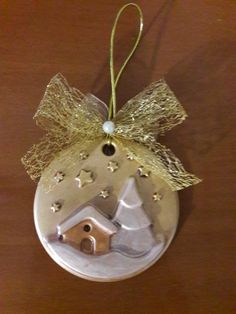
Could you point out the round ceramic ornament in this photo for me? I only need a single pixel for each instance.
(107, 217)
(106, 206)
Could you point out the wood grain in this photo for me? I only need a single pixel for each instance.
(191, 43)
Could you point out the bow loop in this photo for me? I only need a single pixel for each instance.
(66, 110)
(68, 117)
(152, 112)
(161, 161)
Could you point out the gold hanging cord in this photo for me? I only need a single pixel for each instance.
(115, 79)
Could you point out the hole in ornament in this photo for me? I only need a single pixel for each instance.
(87, 228)
(108, 149)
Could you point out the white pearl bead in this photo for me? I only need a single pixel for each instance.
(108, 127)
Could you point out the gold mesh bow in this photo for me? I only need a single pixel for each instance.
(74, 120)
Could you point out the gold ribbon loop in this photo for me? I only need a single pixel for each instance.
(155, 110)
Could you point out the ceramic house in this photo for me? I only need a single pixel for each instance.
(89, 230)
(93, 233)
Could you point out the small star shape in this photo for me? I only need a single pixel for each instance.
(104, 194)
(143, 172)
(112, 166)
(130, 156)
(84, 177)
(156, 197)
(59, 176)
(83, 155)
(55, 207)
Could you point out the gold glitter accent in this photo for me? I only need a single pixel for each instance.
(104, 194)
(84, 178)
(55, 207)
(157, 196)
(83, 155)
(72, 124)
(112, 166)
(143, 172)
(130, 156)
(59, 176)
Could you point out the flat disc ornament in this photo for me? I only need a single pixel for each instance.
(106, 206)
(109, 218)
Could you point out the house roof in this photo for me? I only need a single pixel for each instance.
(88, 212)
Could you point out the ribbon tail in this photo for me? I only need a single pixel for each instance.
(161, 162)
(54, 153)
(40, 155)
(67, 161)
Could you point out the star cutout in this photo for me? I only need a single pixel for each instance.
(156, 197)
(112, 166)
(143, 172)
(55, 207)
(59, 176)
(83, 155)
(104, 194)
(84, 178)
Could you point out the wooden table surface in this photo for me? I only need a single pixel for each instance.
(191, 43)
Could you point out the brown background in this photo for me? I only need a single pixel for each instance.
(193, 44)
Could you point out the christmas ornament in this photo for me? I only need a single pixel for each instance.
(106, 206)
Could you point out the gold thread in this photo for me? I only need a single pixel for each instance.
(114, 80)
